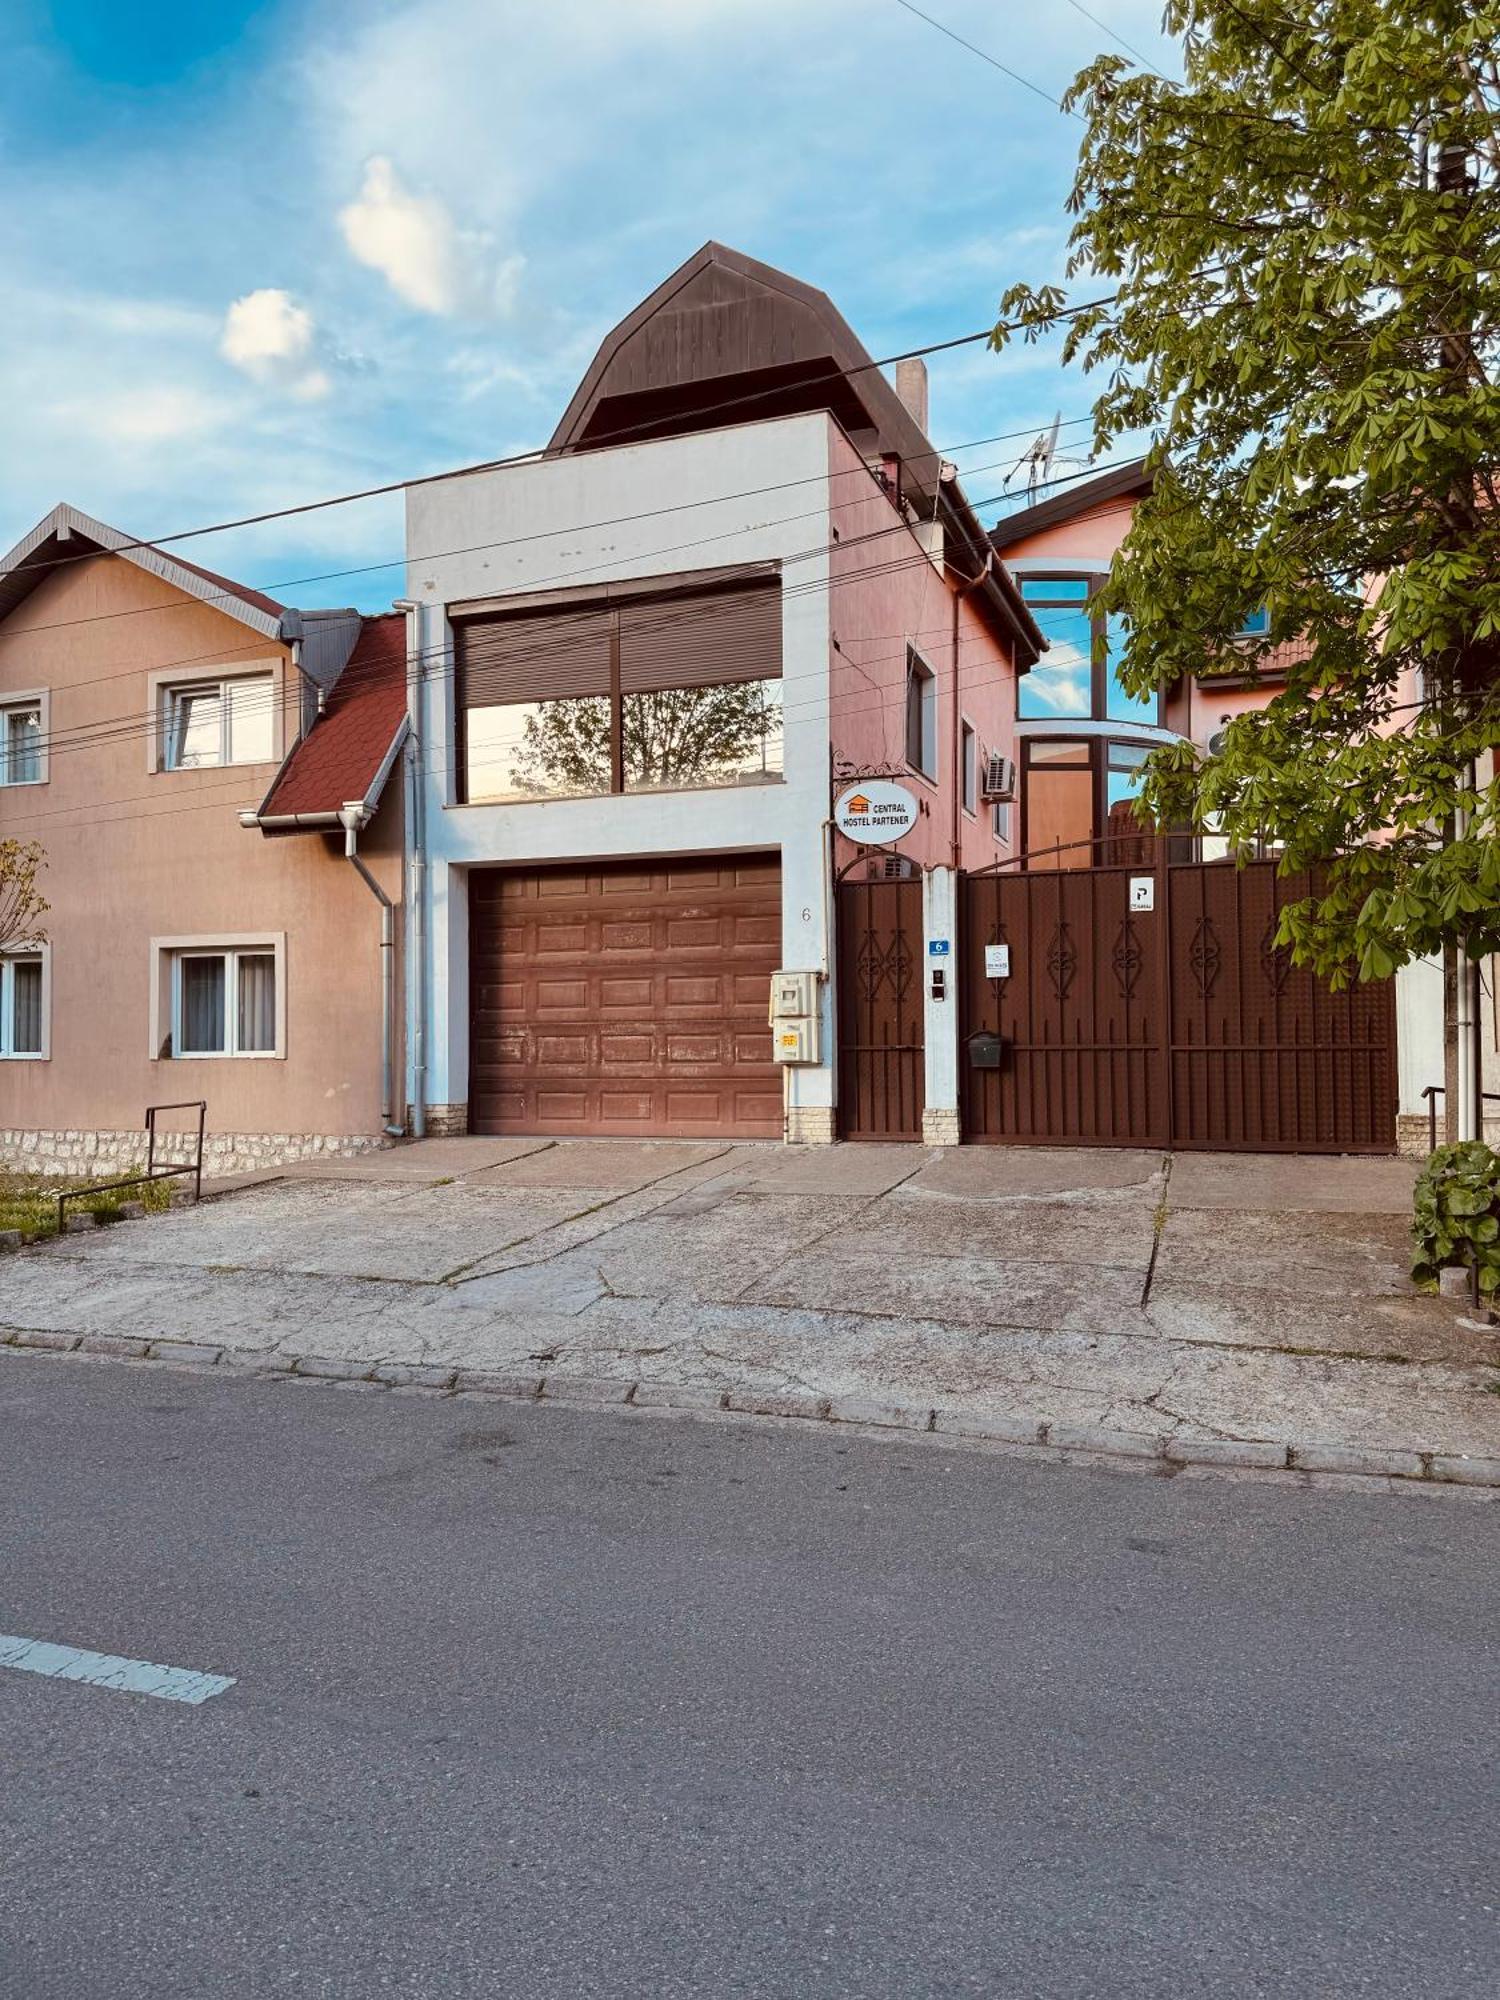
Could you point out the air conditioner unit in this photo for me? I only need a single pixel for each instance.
(999, 778)
(1215, 744)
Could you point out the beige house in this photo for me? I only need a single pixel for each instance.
(198, 764)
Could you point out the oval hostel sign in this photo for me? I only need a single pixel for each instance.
(875, 812)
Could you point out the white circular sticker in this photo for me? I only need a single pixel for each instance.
(875, 812)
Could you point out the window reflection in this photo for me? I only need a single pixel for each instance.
(684, 737)
(537, 750)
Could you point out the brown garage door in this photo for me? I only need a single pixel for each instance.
(625, 1000)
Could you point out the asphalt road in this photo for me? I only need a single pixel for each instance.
(534, 1702)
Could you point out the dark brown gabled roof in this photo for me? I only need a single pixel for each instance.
(1121, 482)
(348, 753)
(728, 340)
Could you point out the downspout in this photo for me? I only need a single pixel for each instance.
(958, 727)
(353, 816)
(416, 835)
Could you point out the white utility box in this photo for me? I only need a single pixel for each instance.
(795, 1041)
(794, 996)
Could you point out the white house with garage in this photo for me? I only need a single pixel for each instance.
(640, 666)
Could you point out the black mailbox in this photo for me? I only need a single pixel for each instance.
(984, 1051)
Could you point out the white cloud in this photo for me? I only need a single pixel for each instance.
(415, 244)
(273, 340)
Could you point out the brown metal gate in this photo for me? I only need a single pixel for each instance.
(1178, 1024)
(880, 1008)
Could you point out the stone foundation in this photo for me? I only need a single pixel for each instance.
(940, 1128)
(810, 1125)
(1413, 1133)
(97, 1155)
(446, 1121)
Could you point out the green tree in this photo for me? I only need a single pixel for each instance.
(22, 905)
(1302, 237)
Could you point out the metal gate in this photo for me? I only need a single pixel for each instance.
(1148, 1005)
(880, 1007)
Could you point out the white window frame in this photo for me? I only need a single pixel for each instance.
(165, 686)
(40, 699)
(8, 959)
(918, 669)
(968, 766)
(167, 954)
(1000, 821)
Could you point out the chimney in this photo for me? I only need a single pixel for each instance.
(911, 387)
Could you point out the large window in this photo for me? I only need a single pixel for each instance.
(22, 750)
(649, 693)
(1078, 678)
(221, 721)
(1079, 797)
(218, 997)
(23, 988)
(921, 714)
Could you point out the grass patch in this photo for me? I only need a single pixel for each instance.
(28, 1202)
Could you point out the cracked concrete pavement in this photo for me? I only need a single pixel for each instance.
(1201, 1296)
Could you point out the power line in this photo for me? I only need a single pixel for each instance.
(80, 736)
(713, 408)
(232, 594)
(985, 56)
(1129, 47)
(654, 425)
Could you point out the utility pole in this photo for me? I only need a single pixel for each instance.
(1463, 1008)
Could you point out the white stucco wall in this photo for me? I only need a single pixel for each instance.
(753, 493)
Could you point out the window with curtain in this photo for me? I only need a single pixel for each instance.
(22, 1029)
(224, 1003)
(970, 769)
(230, 720)
(1078, 678)
(21, 743)
(654, 690)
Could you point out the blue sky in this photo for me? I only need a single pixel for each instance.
(260, 253)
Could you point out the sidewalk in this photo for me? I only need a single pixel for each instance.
(1206, 1308)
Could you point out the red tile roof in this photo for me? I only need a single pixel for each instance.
(340, 757)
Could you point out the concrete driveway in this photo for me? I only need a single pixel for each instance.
(1193, 1306)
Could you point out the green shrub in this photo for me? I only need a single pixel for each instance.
(1456, 1215)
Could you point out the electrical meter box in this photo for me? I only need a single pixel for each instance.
(795, 1041)
(794, 996)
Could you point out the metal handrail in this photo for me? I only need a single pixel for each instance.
(1432, 1093)
(153, 1172)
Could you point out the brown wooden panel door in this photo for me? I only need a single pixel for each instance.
(1080, 1018)
(882, 1038)
(625, 1000)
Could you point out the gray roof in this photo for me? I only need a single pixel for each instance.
(67, 533)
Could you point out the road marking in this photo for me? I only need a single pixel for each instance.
(109, 1670)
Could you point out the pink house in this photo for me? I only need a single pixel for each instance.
(182, 748)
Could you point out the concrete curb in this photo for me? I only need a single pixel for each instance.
(1314, 1461)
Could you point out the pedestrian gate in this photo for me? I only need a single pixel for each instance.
(880, 1004)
